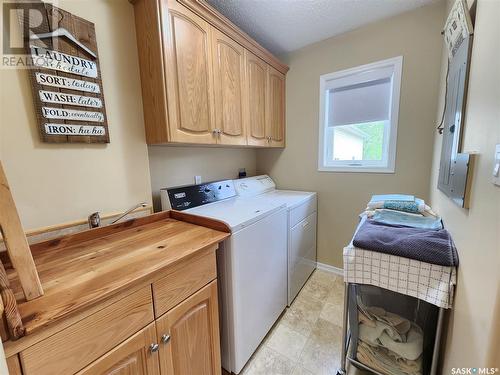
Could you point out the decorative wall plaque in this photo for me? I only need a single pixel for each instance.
(66, 78)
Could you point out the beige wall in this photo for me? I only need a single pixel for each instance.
(342, 196)
(472, 325)
(175, 166)
(60, 183)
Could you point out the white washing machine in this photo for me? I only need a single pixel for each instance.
(252, 263)
(301, 225)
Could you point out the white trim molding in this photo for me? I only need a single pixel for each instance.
(329, 268)
(390, 68)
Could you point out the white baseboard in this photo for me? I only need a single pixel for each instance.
(332, 269)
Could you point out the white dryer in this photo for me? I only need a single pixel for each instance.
(301, 225)
(251, 263)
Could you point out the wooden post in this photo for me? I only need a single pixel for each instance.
(16, 242)
(14, 322)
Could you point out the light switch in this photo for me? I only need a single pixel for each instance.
(496, 166)
(197, 180)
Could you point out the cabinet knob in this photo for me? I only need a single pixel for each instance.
(154, 347)
(165, 338)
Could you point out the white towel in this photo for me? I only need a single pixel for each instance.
(384, 335)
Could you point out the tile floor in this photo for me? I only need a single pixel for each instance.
(306, 339)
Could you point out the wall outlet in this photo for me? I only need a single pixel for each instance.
(197, 180)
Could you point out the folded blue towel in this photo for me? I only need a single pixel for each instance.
(398, 202)
(392, 197)
(400, 218)
(430, 246)
(412, 207)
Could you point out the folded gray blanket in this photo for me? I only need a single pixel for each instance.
(430, 246)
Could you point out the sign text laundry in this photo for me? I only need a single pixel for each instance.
(50, 59)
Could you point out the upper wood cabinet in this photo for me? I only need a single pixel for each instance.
(189, 335)
(275, 108)
(230, 104)
(189, 75)
(204, 81)
(257, 99)
(266, 97)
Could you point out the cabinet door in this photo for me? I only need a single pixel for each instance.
(189, 335)
(275, 108)
(189, 75)
(132, 357)
(229, 81)
(257, 94)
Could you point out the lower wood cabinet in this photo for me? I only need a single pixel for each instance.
(136, 356)
(72, 348)
(183, 341)
(178, 336)
(189, 335)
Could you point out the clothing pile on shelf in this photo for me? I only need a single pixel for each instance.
(389, 343)
(400, 245)
(405, 226)
(401, 203)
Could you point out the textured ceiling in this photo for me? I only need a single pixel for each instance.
(286, 25)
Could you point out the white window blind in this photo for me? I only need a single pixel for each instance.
(358, 118)
(360, 103)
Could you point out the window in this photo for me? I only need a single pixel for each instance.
(359, 117)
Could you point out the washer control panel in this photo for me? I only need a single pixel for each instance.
(184, 197)
(247, 187)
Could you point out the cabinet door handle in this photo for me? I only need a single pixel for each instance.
(154, 347)
(165, 338)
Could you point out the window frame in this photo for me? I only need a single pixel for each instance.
(352, 76)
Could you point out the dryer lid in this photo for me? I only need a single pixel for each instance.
(238, 213)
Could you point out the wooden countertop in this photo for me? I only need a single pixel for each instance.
(77, 271)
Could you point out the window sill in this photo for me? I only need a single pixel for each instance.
(361, 169)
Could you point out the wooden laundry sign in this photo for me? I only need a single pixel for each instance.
(66, 78)
(49, 59)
